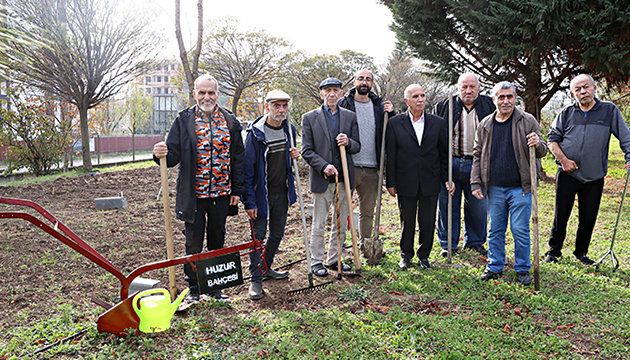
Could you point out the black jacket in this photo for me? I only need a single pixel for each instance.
(347, 102)
(182, 149)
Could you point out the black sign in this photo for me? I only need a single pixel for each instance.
(219, 272)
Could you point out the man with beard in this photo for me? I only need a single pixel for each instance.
(370, 109)
(579, 138)
(205, 140)
(469, 108)
(501, 165)
(269, 183)
(324, 130)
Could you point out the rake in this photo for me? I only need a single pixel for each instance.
(310, 286)
(611, 252)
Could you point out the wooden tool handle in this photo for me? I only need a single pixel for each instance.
(536, 250)
(169, 228)
(346, 181)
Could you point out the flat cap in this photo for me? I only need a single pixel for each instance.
(330, 82)
(277, 95)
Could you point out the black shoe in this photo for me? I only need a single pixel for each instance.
(344, 267)
(478, 248)
(487, 275)
(275, 275)
(319, 270)
(523, 278)
(424, 263)
(219, 296)
(193, 293)
(404, 264)
(586, 261)
(255, 291)
(550, 259)
(444, 252)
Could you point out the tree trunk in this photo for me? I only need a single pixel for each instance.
(235, 98)
(190, 70)
(85, 137)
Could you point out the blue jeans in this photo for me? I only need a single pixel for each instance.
(475, 210)
(504, 202)
(277, 213)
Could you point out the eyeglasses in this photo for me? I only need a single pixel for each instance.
(362, 79)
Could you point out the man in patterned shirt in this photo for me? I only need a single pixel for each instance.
(205, 140)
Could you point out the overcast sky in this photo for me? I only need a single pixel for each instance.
(316, 27)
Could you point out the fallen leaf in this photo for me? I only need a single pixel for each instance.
(395, 292)
(254, 330)
(507, 328)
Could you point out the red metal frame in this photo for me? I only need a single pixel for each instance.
(72, 240)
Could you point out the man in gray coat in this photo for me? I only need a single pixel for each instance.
(324, 130)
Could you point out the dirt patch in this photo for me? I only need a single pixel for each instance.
(41, 273)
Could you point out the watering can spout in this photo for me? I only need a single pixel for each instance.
(178, 301)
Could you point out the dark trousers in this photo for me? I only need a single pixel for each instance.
(277, 213)
(216, 210)
(589, 196)
(425, 208)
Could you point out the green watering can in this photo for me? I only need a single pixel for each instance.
(156, 309)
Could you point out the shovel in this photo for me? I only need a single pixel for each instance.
(307, 248)
(374, 250)
(346, 176)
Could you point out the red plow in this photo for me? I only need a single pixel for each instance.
(118, 319)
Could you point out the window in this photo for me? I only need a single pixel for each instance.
(148, 90)
(166, 79)
(159, 90)
(172, 66)
(158, 79)
(166, 90)
(147, 79)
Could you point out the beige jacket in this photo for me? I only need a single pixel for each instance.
(522, 125)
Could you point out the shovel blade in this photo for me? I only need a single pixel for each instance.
(372, 250)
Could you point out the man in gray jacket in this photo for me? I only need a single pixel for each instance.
(579, 138)
(501, 166)
(324, 131)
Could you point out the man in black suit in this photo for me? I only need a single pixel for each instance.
(417, 165)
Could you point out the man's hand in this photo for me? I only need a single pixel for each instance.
(568, 165)
(160, 149)
(392, 191)
(253, 213)
(342, 140)
(478, 194)
(330, 170)
(533, 140)
(388, 106)
(234, 200)
(450, 189)
(294, 152)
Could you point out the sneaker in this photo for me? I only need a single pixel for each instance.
(444, 252)
(403, 264)
(487, 275)
(193, 293)
(523, 278)
(550, 259)
(319, 270)
(219, 296)
(344, 267)
(255, 291)
(275, 275)
(478, 248)
(424, 263)
(586, 261)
